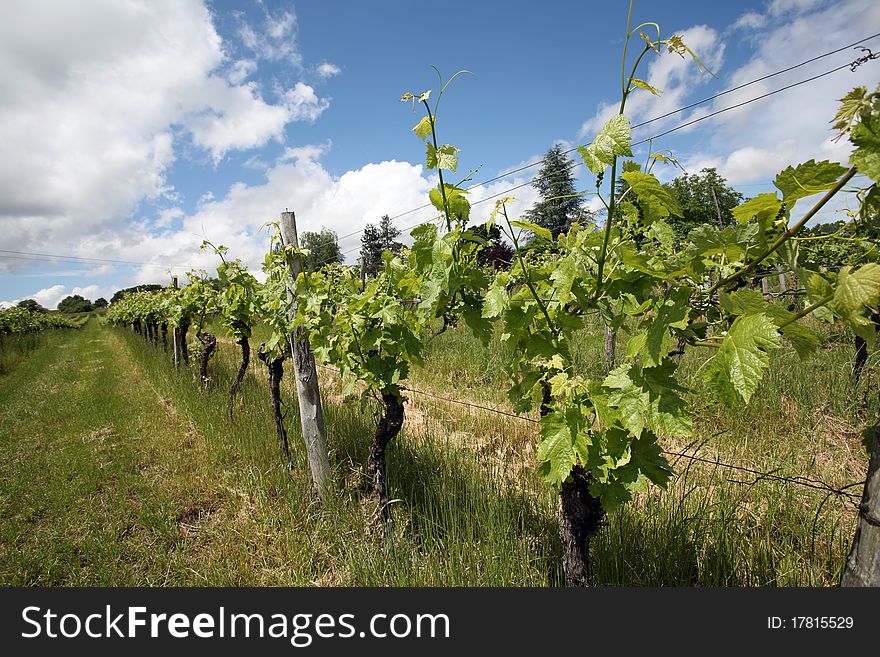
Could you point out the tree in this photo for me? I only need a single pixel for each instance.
(559, 205)
(497, 256)
(75, 304)
(148, 287)
(705, 198)
(323, 247)
(31, 306)
(100, 302)
(375, 241)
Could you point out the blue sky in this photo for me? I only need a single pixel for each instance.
(134, 131)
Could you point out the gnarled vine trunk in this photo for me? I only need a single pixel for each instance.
(863, 563)
(209, 344)
(242, 370)
(276, 372)
(862, 351)
(389, 426)
(164, 327)
(180, 337)
(580, 517)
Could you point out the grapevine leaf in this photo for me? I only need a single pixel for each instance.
(742, 358)
(496, 301)
(423, 128)
(661, 200)
(851, 106)
(563, 276)
(750, 302)
(673, 312)
(641, 84)
(556, 453)
(540, 231)
(613, 140)
(733, 242)
(857, 289)
(648, 457)
(762, 207)
(445, 157)
(865, 136)
(649, 398)
(808, 178)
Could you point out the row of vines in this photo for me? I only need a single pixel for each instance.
(599, 438)
(18, 320)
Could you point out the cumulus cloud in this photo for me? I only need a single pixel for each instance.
(274, 40)
(750, 20)
(94, 104)
(327, 70)
(792, 126)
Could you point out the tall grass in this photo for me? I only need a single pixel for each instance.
(129, 472)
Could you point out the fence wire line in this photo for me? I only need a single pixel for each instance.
(807, 482)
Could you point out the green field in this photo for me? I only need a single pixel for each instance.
(118, 470)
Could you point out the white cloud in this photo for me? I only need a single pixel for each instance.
(93, 103)
(328, 70)
(750, 21)
(275, 41)
(48, 297)
(756, 141)
(781, 7)
(240, 70)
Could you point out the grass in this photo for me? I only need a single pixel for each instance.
(117, 469)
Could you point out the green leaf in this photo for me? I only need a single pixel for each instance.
(459, 206)
(613, 140)
(751, 302)
(733, 242)
(563, 276)
(660, 199)
(648, 398)
(672, 312)
(445, 157)
(763, 207)
(496, 301)
(808, 178)
(738, 366)
(851, 107)
(857, 289)
(648, 457)
(423, 128)
(540, 231)
(556, 453)
(663, 233)
(641, 84)
(865, 136)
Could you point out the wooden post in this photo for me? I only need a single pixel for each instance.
(311, 413)
(863, 563)
(783, 287)
(609, 354)
(174, 331)
(765, 288)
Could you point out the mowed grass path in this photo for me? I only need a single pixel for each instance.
(117, 470)
(84, 441)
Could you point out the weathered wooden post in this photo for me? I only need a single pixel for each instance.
(609, 353)
(311, 413)
(863, 563)
(783, 284)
